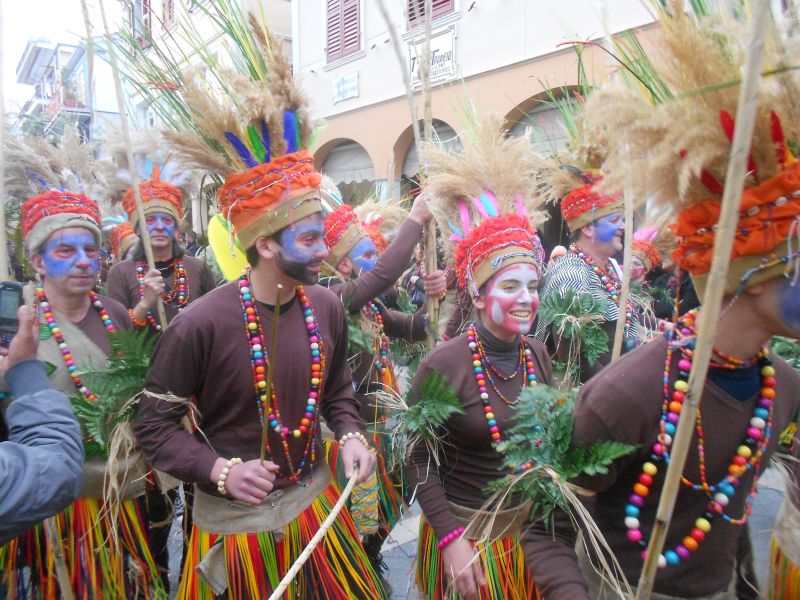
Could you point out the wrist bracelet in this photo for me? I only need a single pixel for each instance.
(450, 538)
(354, 435)
(224, 475)
(136, 322)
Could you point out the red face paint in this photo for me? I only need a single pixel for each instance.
(512, 298)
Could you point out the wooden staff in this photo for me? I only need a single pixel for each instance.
(431, 262)
(4, 270)
(712, 298)
(323, 529)
(126, 135)
(624, 296)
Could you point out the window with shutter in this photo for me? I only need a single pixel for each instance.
(168, 17)
(343, 28)
(416, 10)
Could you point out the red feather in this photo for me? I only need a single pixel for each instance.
(728, 125)
(708, 180)
(778, 138)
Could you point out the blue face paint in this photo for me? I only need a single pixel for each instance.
(364, 255)
(161, 224)
(302, 249)
(71, 254)
(607, 227)
(789, 298)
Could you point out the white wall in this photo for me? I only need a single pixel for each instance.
(494, 34)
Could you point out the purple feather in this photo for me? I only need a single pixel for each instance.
(241, 149)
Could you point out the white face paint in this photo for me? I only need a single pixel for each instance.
(512, 298)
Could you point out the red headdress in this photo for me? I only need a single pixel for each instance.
(585, 204)
(46, 213)
(122, 237)
(342, 233)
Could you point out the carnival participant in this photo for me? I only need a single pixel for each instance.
(749, 397)
(498, 260)
(123, 241)
(365, 268)
(597, 225)
(82, 548)
(253, 517)
(177, 279)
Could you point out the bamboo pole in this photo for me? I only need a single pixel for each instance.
(126, 135)
(712, 298)
(625, 294)
(323, 529)
(431, 262)
(4, 270)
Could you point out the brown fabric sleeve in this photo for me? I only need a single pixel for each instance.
(117, 286)
(390, 266)
(177, 368)
(423, 476)
(207, 282)
(404, 326)
(339, 405)
(461, 314)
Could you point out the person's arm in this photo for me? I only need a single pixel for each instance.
(42, 462)
(461, 314)
(404, 326)
(423, 474)
(207, 282)
(117, 289)
(176, 367)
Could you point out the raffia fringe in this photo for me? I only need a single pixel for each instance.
(255, 563)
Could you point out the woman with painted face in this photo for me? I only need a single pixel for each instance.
(99, 558)
(499, 263)
(178, 279)
(364, 268)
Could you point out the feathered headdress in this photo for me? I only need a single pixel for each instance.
(644, 247)
(484, 202)
(342, 233)
(122, 238)
(386, 216)
(58, 186)
(255, 133)
(163, 182)
(676, 152)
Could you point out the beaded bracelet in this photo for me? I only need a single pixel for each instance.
(450, 538)
(359, 436)
(224, 475)
(136, 322)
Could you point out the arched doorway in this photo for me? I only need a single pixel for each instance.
(351, 168)
(442, 134)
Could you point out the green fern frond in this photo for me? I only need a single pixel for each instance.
(542, 436)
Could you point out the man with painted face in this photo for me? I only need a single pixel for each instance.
(596, 224)
(499, 264)
(62, 235)
(217, 356)
(364, 268)
(178, 279)
(749, 396)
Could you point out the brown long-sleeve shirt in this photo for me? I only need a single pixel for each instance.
(468, 458)
(123, 286)
(204, 354)
(623, 403)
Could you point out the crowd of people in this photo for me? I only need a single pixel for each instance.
(265, 395)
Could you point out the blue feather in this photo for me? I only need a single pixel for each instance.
(241, 149)
(265, 137)
(455, 229)
(39, 179)
(490, 207)
(290, 130)
(148, 167)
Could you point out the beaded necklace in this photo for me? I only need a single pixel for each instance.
(179, 291)
(749, 454)
(609, 280)
(480, 364)
(259, 363)
(50, 319)
(372, 312)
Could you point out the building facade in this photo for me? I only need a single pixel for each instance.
(501, 55)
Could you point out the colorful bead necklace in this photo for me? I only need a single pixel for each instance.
(50, 320)
(480, 364)
(178, 293)
(749, 454)
(372, 312)
(259, 363)
(609, 280)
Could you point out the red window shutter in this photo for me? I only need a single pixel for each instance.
(416, 10)
(351, 27)
(334, 32)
